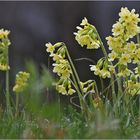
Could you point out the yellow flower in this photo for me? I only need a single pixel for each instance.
(134, 17)
(62, 68)
(4, 67)
(124, 72)
(124, 15)
(132, 30)
(50, 48)
(130, 47)
(137, 70)
(61, 89)
(4, 44)
(130, 22)
(87, 36)
(4, 34)
(96, 69)
(111, 68)
(64, 87)
(84, 21)
(71, 91)
(112, 56)
(57, 57)
(136, 56)
(133, 87)
(125, 58)
(118, 29)
(138, 52)
(21, 81)
(105, 73)
(115, 43)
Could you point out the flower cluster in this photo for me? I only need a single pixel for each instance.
(87, 35)
(21, 81)
(61, 67)
(101, 69)
(124, 51)
(133, 87)
(127, 27)
(4, 43)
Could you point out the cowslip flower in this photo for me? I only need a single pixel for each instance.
(105, 73)
(124, 59)
(133, 87)
(96, 69)
(115, 43)
(118, 29)
(50, 48)
(124, 51)
(87, 35)
(4, 43)
(112, 56)
(125, 72)
(61, 67)
(4, 33)
(61, 89)
(4, 67)
(130, 47)
(130, 22)
(101, 69)
(64, 87)
(21, 81)
(124, 15)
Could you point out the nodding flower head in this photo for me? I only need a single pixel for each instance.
(61, 67)
(87, 35)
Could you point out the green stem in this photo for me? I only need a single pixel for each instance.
(17, 104)
(75, 72)
(79, 94)
(138, 41)
(8, 105)
(102, 84)
(79, 89)
(106, 56)
(112, 79)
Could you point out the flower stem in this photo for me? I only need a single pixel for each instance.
(17, 104)
(106, 56)
(79, 89)
(8, 105)
(75, 72)
(138, 41)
